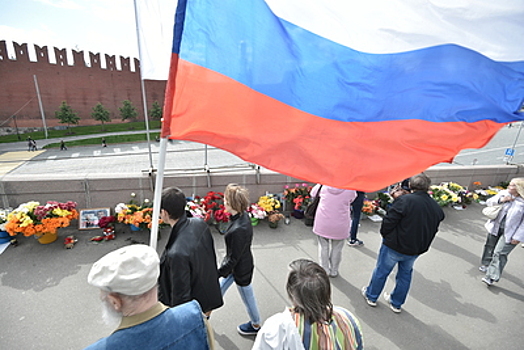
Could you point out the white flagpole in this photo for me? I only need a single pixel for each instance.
(157, 197)
(142, 87)
(158, 27)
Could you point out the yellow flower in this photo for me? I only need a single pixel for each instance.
(444, 197)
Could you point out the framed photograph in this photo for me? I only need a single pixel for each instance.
(89, 218)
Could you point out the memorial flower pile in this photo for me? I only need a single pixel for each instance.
(256, 211)
(213, 204)
(297, 196)
(31, 218)
(135, 214)
(484, 193)
(3, 219)
(369, 207)
(195, 208)
(269, 203)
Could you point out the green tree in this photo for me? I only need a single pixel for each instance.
(101, 114)
(66, 115)
(128, 111)
(156, 111)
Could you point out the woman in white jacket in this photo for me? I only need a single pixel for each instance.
(505, 232)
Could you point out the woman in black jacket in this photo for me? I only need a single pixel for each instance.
(237, 265)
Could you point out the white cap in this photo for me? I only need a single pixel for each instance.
(131, 270)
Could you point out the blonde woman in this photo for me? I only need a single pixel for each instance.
(238, 265)
(505, 232)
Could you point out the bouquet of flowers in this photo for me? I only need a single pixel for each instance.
(443, 195)
(383, 200)
(3, 219)
(194, 206)
(269, 203)
(484, 193)
(31, 218)
(297, 196)
(369, 207)
(137, 215)
(213, 204)
(256, 211)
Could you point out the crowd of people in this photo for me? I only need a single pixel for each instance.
(168, 301)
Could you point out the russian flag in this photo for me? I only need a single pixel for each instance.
(344, 93)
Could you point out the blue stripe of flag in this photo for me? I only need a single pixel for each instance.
(446, 83)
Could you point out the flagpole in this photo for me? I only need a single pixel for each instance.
(157, 197)
(142, 88)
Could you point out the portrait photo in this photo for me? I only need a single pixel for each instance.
(89, 218)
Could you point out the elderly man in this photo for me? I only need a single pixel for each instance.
(127, 279)
(407, 230)
(188, 267)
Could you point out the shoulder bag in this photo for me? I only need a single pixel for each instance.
(311, 209)
(492, 212)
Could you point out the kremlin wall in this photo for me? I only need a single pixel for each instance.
(81, 84)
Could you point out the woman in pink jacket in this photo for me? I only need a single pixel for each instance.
(332, 224)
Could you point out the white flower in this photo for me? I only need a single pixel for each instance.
(120, 208)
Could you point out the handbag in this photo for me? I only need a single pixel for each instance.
(311, 209)
(492, 212)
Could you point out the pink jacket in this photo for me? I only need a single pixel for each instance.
(333, 217)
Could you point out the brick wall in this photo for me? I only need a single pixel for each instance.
(81, 85)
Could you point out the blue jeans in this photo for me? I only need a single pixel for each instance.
(499, 259)
(247, 295)
(356, 211)
(387, 259)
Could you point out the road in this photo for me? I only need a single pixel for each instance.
(190, 156)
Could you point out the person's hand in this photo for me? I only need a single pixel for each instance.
(507, 198)
(514, 242)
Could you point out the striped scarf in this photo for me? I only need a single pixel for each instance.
(342, 332)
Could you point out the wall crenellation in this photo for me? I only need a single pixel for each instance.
(61, 56)
(81, 82)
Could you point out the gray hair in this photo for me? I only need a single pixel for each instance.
(420, 182)
(309, 290)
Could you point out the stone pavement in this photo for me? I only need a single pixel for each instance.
(47, 303)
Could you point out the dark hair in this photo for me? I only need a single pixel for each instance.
(174, 202)
(420, 182)
(237, 197)
(309, 290)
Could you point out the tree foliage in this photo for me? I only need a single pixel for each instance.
(156, 111)
(101, 114)
(66, 115)
(128, 111)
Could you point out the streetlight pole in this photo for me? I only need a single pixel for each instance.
(41, 107)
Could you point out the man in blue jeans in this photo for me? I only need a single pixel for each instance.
(407, 231)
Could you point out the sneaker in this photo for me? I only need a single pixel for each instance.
(487, 280)
(483, 268)
(387, 296)
(333, 275)
(370, 302)
(247, 329)
(355, 243)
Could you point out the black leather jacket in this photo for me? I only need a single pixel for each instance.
(188, 267)
(238, 259)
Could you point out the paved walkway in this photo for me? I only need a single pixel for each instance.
(47, 303)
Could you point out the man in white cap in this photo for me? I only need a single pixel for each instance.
(127, 279)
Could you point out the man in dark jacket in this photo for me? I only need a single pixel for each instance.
(188, 267)
(407, 230)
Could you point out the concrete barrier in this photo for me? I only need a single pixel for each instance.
(107, 191)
